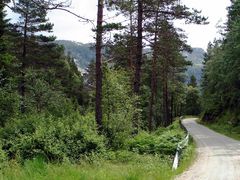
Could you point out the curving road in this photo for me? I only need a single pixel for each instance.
(218, 156)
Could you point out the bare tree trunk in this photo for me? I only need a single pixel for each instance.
(138, 63)
(166, 111)
(98, 105)
(180, 109)
(154, 77)
(172, 108)
(131, 43)
(176, 109)
(153, 92)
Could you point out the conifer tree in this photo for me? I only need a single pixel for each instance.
(220, 82)
(32, 22)
(3, 25)
(99, 34)
(193, 81)
(6, 57)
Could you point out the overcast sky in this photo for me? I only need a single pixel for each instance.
(68, 27)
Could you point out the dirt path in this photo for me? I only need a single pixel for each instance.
(218, 156)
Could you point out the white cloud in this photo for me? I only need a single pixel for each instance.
(68, 27)
(215, 10)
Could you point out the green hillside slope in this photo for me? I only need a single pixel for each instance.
(85, 53)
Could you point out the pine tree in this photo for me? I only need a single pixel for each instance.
(99, 34)
(3, 25)
(2, 20)
(220, 83)
(32, 21)
(231, 50)
(123, 49)
(6, 57)
(159, 17)
(193, 81)
(138, 64)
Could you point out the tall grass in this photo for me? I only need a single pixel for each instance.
(153, 168)
(143, 167)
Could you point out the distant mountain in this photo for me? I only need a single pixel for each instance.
(83, 54)
(196, 57)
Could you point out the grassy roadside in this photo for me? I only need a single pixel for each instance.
(119, 165)
(141, 167)
(224, 126)
(152, 168)
(225, 129)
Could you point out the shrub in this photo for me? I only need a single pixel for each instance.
(9, 105)
(192, 106)
(118, 108)
(41, 96)
(53, 139)
(162, 142)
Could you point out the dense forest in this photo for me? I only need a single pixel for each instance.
(124, 108)
(220, 80)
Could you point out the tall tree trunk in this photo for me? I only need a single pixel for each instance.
(172, 108)
(138, 63)
(98, 105)
(154, 77)
(23, 66)
(176, 109)
(153, 91)
(131, 43)
(166, 111)
(181, 109)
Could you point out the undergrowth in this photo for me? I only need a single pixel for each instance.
(147, 156)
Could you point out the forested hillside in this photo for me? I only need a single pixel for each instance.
(84, 54)
(121, 120)
(197, 58)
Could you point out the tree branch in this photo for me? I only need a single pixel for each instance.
(50, 5)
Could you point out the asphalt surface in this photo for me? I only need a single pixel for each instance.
(218, 157)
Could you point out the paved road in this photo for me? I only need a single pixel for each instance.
(218, 156)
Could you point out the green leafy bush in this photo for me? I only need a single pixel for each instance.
(162, 142)
(54, 139)
(192, 106)
(118, 108)
(43, 96)
(9, 105)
